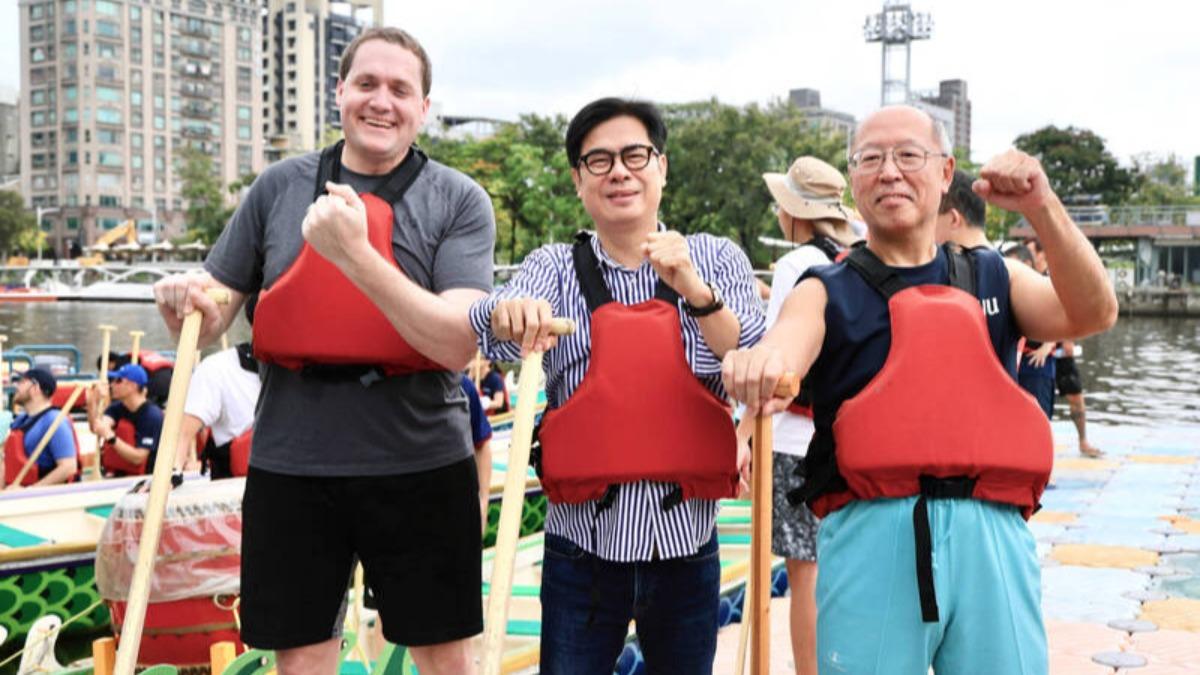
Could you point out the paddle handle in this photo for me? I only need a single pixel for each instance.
(106, 330)
(139, 588)
(758, 594)
(496, 624)
(136, 350)
(4, 368)
(787, 387)
(42, 444)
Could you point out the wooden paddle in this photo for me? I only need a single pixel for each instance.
(136, 351)
(106, 330)
(756, 607)
(139, 588)
(4, 368)
(41, 446)
(496, 624)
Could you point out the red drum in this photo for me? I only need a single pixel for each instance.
(195, 584)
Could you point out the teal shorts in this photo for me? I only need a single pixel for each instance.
(985, 573)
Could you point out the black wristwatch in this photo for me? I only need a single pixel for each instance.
(711, 308)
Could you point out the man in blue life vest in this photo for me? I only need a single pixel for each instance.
(637, 443)
(59, 461)
(360, 262)
(927, 455)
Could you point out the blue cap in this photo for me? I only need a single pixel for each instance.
(131, 372)
(45, 380)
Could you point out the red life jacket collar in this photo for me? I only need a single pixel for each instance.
(15, 455)
(941, 418)
(639, 413)
(316, 320)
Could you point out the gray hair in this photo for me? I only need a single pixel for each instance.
(940, 135)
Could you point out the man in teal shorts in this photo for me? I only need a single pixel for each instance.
(926, 456)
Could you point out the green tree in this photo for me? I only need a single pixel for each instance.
(206, 210)
(1077, 163)
(524, 169)
(18, 227)
(1162, 182)
(717, 154)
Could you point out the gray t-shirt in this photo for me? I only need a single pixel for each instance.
(443, 238)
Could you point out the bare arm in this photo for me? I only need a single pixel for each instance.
(791, 345)
(1078, 300)
(185, 453)
(61, 473)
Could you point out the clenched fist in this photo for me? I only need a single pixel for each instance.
(1015, 181)
(336, 224)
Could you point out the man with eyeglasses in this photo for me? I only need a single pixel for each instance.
(637, 443)
(129, 428)
(927, 456)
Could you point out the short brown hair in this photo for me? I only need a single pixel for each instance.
(395, 36)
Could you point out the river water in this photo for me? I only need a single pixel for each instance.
(1143, 371)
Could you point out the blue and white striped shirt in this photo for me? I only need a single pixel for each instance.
(635, 528)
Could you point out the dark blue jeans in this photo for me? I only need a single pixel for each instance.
(587, 604)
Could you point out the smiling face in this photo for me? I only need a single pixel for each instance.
(382, 106)
(622, 198)
(892, 201)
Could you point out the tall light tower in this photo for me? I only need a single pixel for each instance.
(896, 27)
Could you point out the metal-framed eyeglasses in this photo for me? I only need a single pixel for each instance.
(600, 162)
(908, 158)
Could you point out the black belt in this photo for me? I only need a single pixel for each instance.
(365, 374)
(933, 488)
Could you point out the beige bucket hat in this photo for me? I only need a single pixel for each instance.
(812, 190)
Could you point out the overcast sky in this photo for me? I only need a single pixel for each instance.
(1131, 75)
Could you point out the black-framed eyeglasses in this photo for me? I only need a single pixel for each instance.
(600, 162)
(908, 158)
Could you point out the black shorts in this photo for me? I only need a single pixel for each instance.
(1066, 376)
(416, 534)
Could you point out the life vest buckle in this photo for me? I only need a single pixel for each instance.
(949, 487)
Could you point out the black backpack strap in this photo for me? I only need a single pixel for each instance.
(587, 270)
(393, 187)
(961, 266)
(824, 245)
(877, 275)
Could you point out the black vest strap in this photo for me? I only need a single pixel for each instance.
(824, 245)
(887, 282)
(591, 280)
(959, 487)
(246, 360)
(390, 190)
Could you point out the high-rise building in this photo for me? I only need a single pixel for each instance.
(10, 135)
(834, 121)
(112, 92)
(302, 45)
(952, 96)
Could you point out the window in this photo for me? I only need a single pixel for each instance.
(37, 97)
(108, 116)
(108, 28)
(71, 134)
(37, 118)
(104, 158)
(72, 158)
(108, 136)
(109, 200)
(109, 94)
(135, 161)
(68, 50)
(135, 98)
(68, 27)
(72, 223)
(135, 13)
(37, 12)
(38, 54)
(135, 140)
(69, 7)
(160, 122)
(106, 50)
(108, 8)
(37, 33)
(158, 101)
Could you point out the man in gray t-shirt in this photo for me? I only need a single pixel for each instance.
(349, 464)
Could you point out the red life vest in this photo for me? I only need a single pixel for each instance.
(942, 418)
(63, 392)
(314, 315)
(112, 463)
(153, 361)
(640, 413)
(239, 452)
(15, 455)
